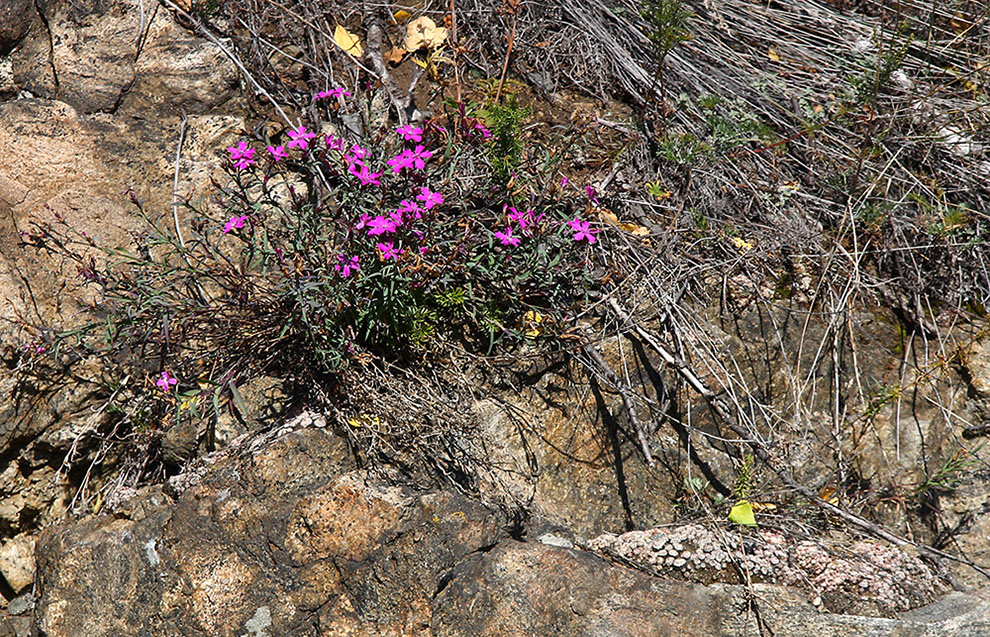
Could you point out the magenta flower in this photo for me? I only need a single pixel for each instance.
(300, 137)
(243, 162)
(507, 238)
(240, 151)
(345, 266)
(478, 126)
(277, 152)
(411, 133)
(564, 181)
(366, 177)
(340, 91)
(429, 198)
(388, 250)
(381, 225)
(524, 218)
(357, 153)
(407, 207)
(234, 222)
(592, 194)
(363, 221)
(400, 161)
(419, 157)
(335, 143)
(165, 382)
(582, 230)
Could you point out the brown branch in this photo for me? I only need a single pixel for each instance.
(761, 452)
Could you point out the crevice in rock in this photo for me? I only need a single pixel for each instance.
(51, 44)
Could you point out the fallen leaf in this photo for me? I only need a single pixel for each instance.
(763, 506)
(531, 323)
(348, 41)
(401, 15)
(633, 229)
(773, 55)
(423, 32)
(742, 513)
(396, 54)
(742, 245)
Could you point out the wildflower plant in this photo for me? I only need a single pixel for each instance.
(327, 252)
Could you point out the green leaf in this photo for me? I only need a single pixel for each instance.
(742, 513)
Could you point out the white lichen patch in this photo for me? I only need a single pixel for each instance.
(887, 578)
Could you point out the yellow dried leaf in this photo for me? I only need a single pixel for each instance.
(773, 55)
(633, 229)
(348, 41)
(395, 55)
(742, 245)
(423, 32)
(742, 513)
(763, 506)
(401, 15)
(531, 323)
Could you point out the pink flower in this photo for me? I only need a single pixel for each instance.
(388, 250)
(407, 207)
(419, 157)
(564, 181)
(300, 137)
(165, 382)
(345, 266)
(240, 151)
(243, 162)
(592, 194)
(400, 161)
(411, 133)
(234, 222)
(335, 143)
(357, 153)
(363, 221)
(582, 230)
(380, 225)
(277, 152)
(429, 198)
(340, 91)
(507, 238)
(478, 126)
(366, 177)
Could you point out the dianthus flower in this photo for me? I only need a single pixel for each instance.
(411, 133)
(166, 382)
(507, 238)
(277, 152)
(429, 198)
(388, 250)
(380, 225)
(345, 266)
(582, 230)
(234, 222)
(300, 137)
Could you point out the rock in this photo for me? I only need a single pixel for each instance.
(534, 589)
(21, 604)
(123, 54)
(15, 19)
(280, 534)
(275, 538)
(17, 562)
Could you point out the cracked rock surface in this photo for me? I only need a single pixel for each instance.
(279, 534)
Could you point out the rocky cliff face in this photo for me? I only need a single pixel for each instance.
(282, 533)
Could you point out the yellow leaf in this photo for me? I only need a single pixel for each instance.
(742, 513)
(763, 506)
(633, 229)
(424, 32)
(401, 15)
(773, 55)
(419, 62)
(364, 420)
(98, 504)
(742, 245)
(348, 41)
(531, 323)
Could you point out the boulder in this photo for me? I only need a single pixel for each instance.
(281, 534)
